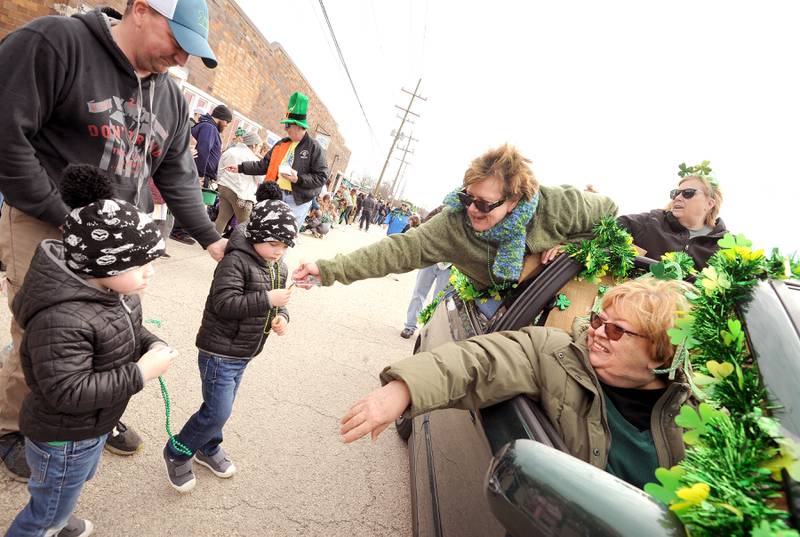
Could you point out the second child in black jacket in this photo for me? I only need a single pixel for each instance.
(247, 301)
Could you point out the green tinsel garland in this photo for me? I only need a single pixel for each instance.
(611, 251)
(674, 266)
(726, 483)
(466, 290)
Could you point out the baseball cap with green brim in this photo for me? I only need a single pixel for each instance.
(188, 20)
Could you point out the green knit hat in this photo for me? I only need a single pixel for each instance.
(297, 110)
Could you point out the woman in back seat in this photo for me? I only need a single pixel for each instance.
(597, 386)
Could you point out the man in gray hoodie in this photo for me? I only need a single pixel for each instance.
(93, 89)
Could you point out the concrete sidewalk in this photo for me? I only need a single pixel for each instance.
(295, 477)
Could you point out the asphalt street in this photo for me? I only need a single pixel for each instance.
(295, 476)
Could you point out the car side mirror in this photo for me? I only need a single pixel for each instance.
(535, 490)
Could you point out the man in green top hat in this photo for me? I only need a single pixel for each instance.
(296, 162)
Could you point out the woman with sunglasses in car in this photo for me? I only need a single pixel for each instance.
(690, 223)
(598, 386)
(493, 222)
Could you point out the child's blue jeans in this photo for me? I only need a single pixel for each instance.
(221, 378)
(57, 477)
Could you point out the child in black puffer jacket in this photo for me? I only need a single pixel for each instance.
(85, 351)
(247, 301)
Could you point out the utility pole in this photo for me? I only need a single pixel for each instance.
(403, 186)
(407, 111)
(395, 194)
(405, 151)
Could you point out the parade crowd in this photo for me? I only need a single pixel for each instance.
(85, 216)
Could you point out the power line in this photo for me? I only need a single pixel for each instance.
(346, 70)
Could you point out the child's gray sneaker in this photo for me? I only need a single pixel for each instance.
(219, 463)
(76, 527)
(180, 473)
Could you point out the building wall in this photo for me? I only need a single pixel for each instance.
(254, 77)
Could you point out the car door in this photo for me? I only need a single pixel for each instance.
(450, 450)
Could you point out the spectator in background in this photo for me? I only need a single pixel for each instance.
(327, 207)
(359, 203)
(161, 214)
(368, 207)
(209, 142)
(413, 221)
(296, 162)
(354, 208)
(196, 117)
(208, 148)
(237, 191)
(318, 223)
(347, 203)
(438, 273)
(382, 212)
(397, 220)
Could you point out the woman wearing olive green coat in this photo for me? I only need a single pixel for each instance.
(597, 386)
(468, 237)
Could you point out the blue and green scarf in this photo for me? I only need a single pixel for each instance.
(509, 235)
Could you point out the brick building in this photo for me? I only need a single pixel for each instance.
(254, 77)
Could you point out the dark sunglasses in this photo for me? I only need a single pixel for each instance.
(687, 193)
(483, 206)
(613, 331)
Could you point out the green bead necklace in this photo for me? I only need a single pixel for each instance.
(180, 448)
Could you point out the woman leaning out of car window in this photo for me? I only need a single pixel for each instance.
(597, 386)
(496, 218)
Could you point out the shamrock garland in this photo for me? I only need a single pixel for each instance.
(729, 479)
(610, 251)
(466, 290)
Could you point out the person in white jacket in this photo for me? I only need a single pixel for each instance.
(237, 191)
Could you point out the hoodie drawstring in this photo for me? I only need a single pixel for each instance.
(144, 173)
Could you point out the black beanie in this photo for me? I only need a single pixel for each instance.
(271, 219)
(103, 236)
(222, 112)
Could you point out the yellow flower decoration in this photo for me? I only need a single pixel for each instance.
(694, 495)
(745, 253)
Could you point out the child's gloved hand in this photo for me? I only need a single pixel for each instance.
(279, 297)
(156, 361)
(279, 325)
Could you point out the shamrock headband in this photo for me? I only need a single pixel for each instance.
(701, 170)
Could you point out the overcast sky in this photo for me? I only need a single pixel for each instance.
(612, 93)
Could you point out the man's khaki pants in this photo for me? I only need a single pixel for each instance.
(20, 234)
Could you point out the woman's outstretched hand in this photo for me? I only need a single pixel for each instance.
(374, 412)
(301, 274)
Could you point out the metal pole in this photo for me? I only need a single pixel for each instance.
(402, 161)
(396, 136)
